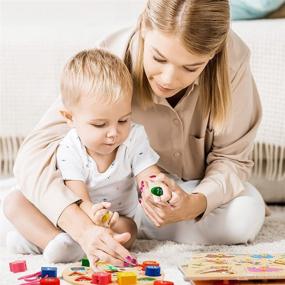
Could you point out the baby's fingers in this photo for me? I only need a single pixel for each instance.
(114, 219)
(98, 206)
(102, 217)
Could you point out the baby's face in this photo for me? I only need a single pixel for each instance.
(102, 127)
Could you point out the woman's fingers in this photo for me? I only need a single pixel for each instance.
(103, 256)
(151, 213)
(174, 199)
(167, 194)
(113, 244)
(166, 180)
(108, 249)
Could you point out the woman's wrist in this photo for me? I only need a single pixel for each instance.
(74, 221)
(86, 207)
(198, 205)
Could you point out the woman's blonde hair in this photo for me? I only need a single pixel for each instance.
(95, 73)
(202, 25)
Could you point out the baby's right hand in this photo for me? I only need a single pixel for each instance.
(101, 216)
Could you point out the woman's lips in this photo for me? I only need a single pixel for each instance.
(163, 89)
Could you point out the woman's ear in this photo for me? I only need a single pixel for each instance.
(67, 116)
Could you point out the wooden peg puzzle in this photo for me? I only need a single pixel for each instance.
(225, 268)
(83, 275)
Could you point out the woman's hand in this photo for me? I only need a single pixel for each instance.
(100, 243)
(182, 206)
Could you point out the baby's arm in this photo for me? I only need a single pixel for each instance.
(146, 181)
(99, 212)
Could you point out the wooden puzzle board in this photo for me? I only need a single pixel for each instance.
(71, 273)
(238, 282)
(224, 266)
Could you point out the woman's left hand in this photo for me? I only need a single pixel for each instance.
(182, 206)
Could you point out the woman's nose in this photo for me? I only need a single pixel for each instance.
(168, 77)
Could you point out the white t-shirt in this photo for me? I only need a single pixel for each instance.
(117, 184)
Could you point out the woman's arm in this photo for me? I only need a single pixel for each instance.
(35, 166)
(229, 162)
(97, 242)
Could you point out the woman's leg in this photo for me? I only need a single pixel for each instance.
(28, 220)
(238, 221)
(33, 228)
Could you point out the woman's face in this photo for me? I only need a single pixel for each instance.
(169, 67)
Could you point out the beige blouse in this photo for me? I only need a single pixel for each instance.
(187, 144)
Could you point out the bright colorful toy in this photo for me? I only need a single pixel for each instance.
(157, 191)
(18, 266)
(85, 262)
(48, 272)
(133, 275)
(126, 278)
(50, 281)
(101, 278)
(225, 268)
(47, 276)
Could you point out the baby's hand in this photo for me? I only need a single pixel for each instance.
(101, 216)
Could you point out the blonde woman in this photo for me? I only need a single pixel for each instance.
(195, 95)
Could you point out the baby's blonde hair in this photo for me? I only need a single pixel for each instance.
(96, 73)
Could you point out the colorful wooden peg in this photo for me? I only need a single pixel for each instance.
(101, 278)
(160, 282)
(48, 272)
(50, 281)
(149, 263)
(85, 262)
(157, 191)
(127, 278)
(152, 271)
(18, 266)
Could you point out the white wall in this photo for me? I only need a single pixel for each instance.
(37, 37)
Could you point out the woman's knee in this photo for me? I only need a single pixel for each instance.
(246, 213)
(12, 202)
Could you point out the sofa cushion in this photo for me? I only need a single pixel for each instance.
(253, 9)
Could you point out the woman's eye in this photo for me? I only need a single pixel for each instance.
(159, 60)
(123, 121)
(190, 70)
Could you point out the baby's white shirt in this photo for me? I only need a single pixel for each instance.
(117, 184)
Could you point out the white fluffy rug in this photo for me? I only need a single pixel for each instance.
(169, 254)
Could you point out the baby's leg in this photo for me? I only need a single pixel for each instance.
(125, 224)
(34, 227)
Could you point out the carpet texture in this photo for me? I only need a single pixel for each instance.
(270, 240)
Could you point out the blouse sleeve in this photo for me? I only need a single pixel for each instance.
(229, 163)
(35, 166)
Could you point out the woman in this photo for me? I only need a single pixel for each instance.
(196, 97)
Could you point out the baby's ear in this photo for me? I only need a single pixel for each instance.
(67, 116)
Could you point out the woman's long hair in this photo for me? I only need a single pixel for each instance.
(202, 25)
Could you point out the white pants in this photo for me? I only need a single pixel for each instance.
(238, 221)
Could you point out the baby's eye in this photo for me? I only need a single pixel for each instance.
(123, 121)
(98, 125)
